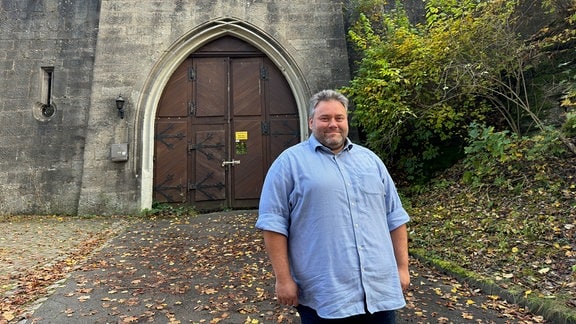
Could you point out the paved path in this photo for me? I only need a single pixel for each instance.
(206, 269)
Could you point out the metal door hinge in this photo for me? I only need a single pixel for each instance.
(192, 108)
(265, 128)
(263, 73)
(191, 74)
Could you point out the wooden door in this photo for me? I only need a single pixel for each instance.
(225, 115)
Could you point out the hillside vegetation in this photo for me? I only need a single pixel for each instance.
(510, 223)
(420, 85)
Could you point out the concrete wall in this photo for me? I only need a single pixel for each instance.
(100, 49)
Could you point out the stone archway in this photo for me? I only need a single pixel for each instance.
(175, 55)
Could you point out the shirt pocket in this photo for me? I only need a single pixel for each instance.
(371, 184)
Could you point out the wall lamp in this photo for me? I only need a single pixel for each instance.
(120, 106)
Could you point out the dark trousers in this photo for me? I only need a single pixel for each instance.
(309, 316)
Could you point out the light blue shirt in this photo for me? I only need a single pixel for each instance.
(337, 212)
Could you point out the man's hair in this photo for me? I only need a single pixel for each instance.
(326, 95)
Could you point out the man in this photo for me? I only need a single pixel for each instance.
(334, 226)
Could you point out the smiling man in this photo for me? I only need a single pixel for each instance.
(334, 225)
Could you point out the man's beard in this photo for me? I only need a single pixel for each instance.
(334, 142)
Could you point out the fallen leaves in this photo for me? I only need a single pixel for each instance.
(438, 298)
(63, 243)
(213, 269)
(520, 238)
(206, 269)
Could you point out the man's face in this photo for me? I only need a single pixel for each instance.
(330, 124)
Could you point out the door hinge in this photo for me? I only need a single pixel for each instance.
(263, 73)
(191, 74)
(265, 128)
(192, 108)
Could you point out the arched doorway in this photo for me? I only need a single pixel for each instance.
(223, 117)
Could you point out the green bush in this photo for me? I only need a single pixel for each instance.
(569, 126)
(417, 87)
(499, 158)
(168, 210)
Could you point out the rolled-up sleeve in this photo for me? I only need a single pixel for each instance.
(396, 214)
(274, 209)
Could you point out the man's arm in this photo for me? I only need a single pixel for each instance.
(400, 243)
(277, 248)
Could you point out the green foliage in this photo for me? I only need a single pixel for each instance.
(412, 91)
(166, 209)
(488, 152)
(569, 126)
(486, 148)
(417, 87)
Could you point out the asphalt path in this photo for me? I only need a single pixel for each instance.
(212, 268)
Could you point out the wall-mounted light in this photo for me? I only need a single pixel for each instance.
(120, 106)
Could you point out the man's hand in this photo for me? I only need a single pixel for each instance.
(277, 248)
(404, 278)
(287, 292)
(400, 242)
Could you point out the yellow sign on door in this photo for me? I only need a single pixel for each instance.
(241, 136)
(241, 139)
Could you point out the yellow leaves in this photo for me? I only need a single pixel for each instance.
(456, 287)
(210, 291)
(8, 316)
(260, 292)
(172, 319)
(71, 262)
(247, 309)
(251, 320)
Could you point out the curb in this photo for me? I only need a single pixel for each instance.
(539, 308)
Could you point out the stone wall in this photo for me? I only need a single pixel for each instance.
(41, 158)
(100, 49)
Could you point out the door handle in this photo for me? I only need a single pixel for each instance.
(233, 162)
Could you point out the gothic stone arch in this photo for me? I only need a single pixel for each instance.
(175, 55)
